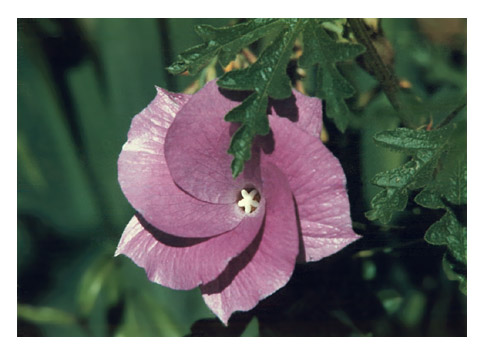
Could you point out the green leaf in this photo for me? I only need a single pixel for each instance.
(267, 78)
(413, 308)
(410, 141)
(102, 140)
(455, 273)
(45, 315)
(429, 198)
(402, 176)
(453, 181)
(252, 112)
(252, 329)
(268, 75)
(438, 165)
(52, 181)
(155, 310)
(449, 232)
(426, 149)
(378, 116)
(95, 278)
(321, 49)
(144, 318)
(131, 67)
(391, 300)
(450, 183)
(386, 202)
(224, 43)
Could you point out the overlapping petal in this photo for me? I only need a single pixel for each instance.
(189, 231)
(185, 263)
(268, 263)
(146, 181)
(318, 185)
(196, 149)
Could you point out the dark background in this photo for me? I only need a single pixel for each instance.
(80, 81)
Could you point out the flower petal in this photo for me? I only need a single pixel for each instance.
(318, 183)
(268, 263)
(316, 248)
(146, 182)
(304, 110)
(185, 263)
(196, 149)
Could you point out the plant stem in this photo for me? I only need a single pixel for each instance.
(374, 64)
(451, 116)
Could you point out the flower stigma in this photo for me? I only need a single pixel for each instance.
(249, 201)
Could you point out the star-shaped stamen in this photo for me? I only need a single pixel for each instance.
(248, 200)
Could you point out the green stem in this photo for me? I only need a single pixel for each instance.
(451, 116)
(375, 65)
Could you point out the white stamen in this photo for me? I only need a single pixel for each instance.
(248, 200)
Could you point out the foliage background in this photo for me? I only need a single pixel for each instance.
(80, 81)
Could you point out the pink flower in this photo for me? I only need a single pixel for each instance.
(238, 239)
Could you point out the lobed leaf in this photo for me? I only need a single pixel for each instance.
(449, 232)
(267, 78)
(426, 148)
(224, 43)
(268, 75)
(410, 141)
(450, 184)
(429, 198)
(322, 50)
(252, 114)
(386, 202)
(438, 165)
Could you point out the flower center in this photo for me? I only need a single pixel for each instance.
(249, 200)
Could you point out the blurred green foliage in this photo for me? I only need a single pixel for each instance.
(80, 81)
(79, 84)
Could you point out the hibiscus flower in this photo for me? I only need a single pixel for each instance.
(236, 239)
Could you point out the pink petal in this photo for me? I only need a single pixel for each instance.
(268, 263)
(148, 186)
(304, 110)
(318, 185)
(316, 248)
(196, 149)
(185, 263)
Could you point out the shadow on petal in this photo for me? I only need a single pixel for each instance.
(168, 239)
(285, 108)
(234, 95)
(266, 143)
(301, 257)
(234, 267)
